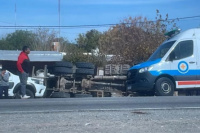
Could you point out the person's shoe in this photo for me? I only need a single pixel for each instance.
(25, 97)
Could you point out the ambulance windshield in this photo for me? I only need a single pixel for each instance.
(161, 51)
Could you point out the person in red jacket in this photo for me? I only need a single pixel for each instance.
(23, 68)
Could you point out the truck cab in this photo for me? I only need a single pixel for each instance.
(174, 66)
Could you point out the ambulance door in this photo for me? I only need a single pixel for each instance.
(184, 64)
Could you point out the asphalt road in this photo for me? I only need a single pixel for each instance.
(103, 115)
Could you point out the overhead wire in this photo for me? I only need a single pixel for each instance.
(85, 26)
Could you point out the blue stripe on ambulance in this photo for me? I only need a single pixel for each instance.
(174, 72)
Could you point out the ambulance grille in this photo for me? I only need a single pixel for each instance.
(131, 73)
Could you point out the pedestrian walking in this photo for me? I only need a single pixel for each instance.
(23, 64)
(4, 83)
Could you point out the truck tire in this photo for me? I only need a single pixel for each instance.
(60, 95)
(85, 71)
(50, 69)
(64, 64)
(82, 95)
(84, 65)
(164, 87)
(63, 70)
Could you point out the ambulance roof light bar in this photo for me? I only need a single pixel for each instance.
(172, 33)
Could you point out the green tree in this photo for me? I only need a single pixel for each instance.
(41, 39)
(18, 39)
(3, 44)
(74, 53)
(89, 41)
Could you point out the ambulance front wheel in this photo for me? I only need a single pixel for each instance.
(164, 87)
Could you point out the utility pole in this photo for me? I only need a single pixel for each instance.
(15, 21)
(15, 14)
(59, 20)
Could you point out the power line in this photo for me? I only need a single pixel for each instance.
(186, 17)
(55, 26)
(5, 22)
(86, 26)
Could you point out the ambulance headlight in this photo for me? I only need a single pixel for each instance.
(145, 69)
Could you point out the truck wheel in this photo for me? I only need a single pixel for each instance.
(60, 95)
(63, 70)
(85, 65)
(85, 71)
(164, 87)
(64, 64)
(82, 95)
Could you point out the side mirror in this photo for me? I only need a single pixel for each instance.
(172, 56)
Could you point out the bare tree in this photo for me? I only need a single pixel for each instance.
(134, 39)
(44, 39)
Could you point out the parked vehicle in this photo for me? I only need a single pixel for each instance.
(35, 87)
(174, 66)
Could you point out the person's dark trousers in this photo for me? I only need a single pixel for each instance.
(4, 89)
(23, 80)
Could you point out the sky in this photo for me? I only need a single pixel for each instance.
(91, 12)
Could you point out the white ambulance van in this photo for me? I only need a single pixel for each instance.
(174, 66)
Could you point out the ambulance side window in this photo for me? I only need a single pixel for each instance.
(183, 49)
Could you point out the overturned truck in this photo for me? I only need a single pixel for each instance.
(64, 79)
(83, 79)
